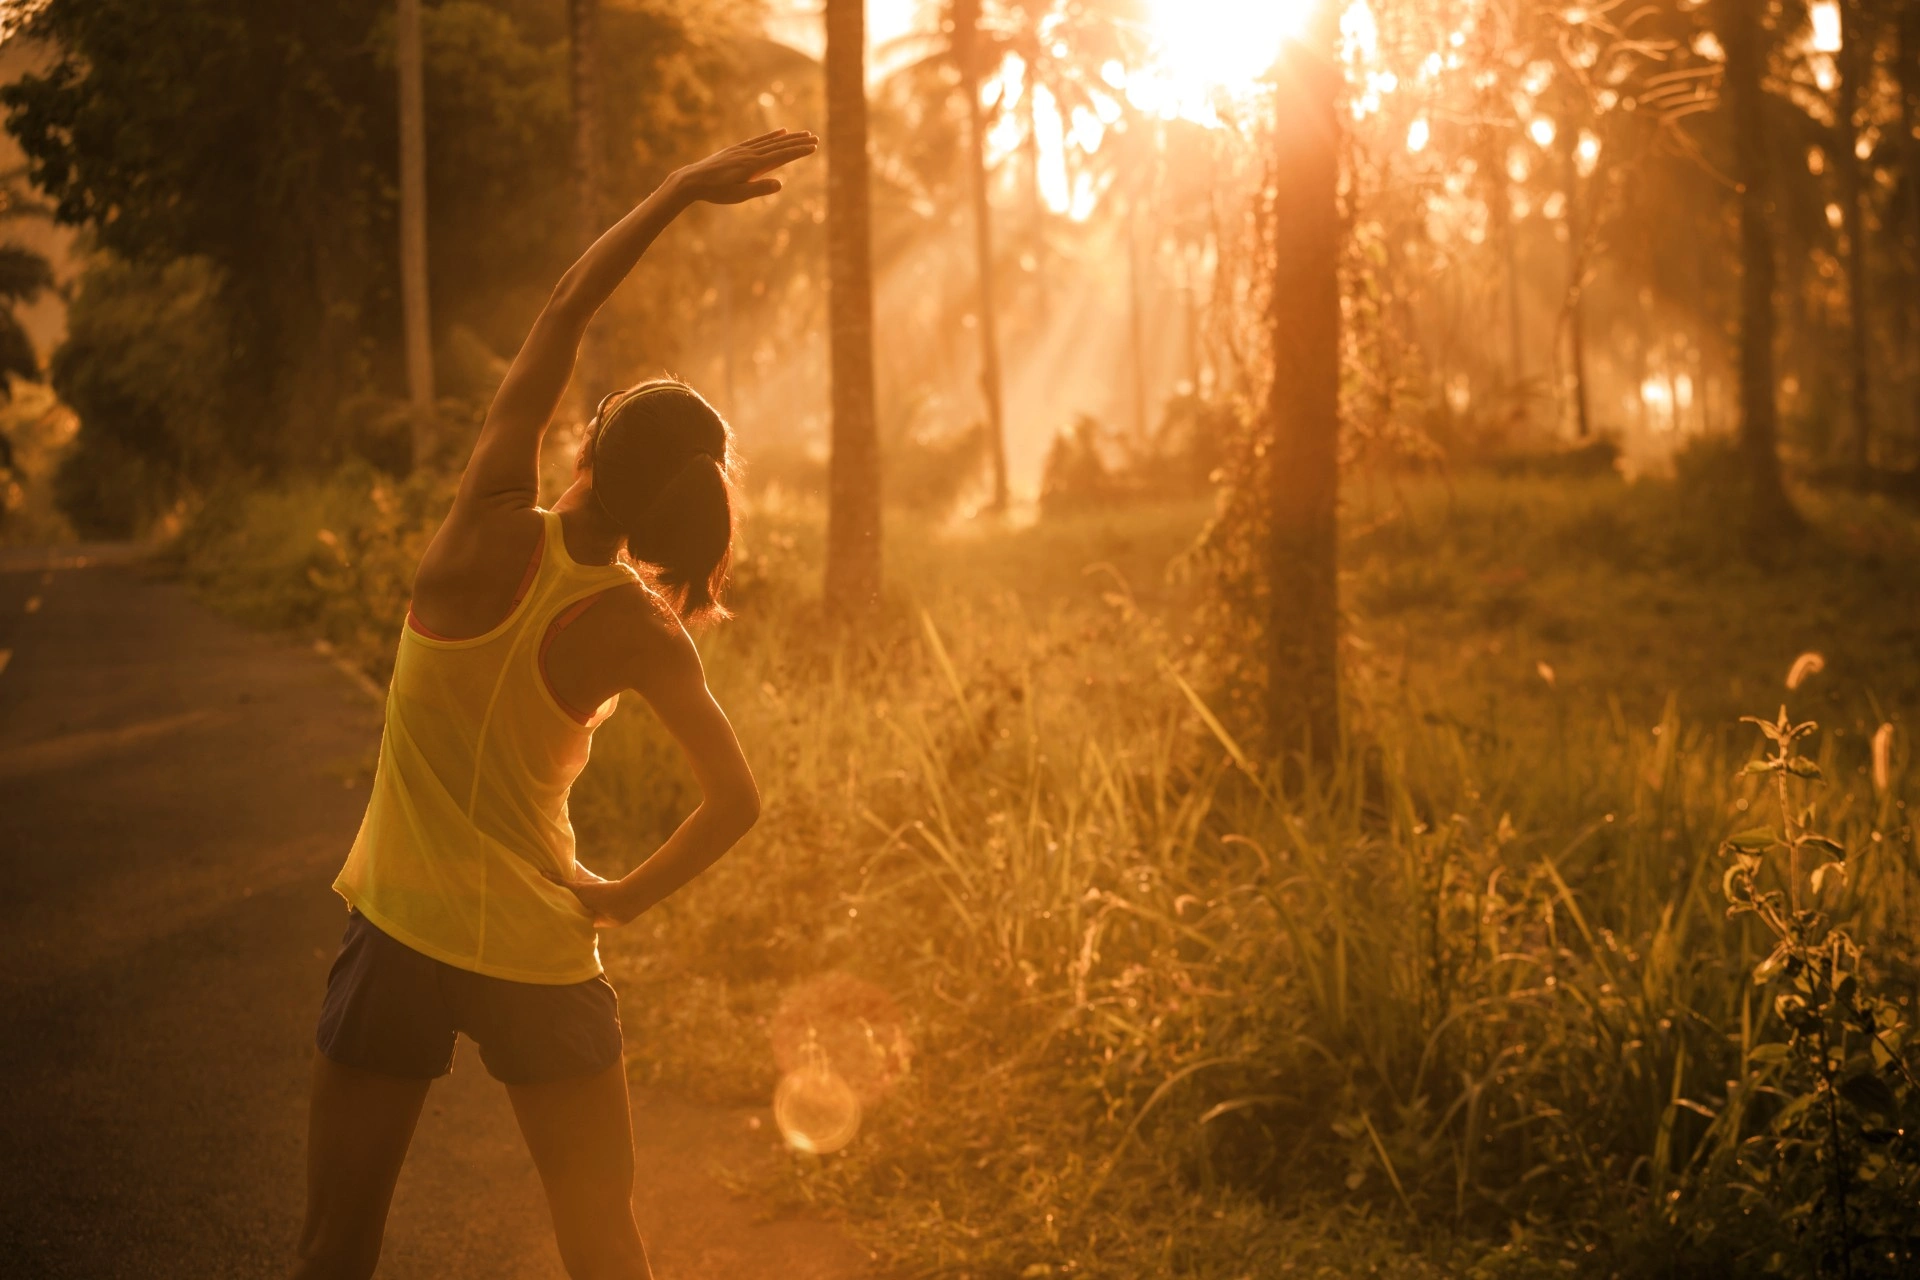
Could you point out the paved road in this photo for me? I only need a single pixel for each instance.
(175, 795)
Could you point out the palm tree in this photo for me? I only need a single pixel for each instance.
(971, 51)
(1303, 404)
(1743, 37)
(1061, 47)
(413, 231)
(853, 471)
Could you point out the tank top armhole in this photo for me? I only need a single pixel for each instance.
(561, 621)
(519, 595)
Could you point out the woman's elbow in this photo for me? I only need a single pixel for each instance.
(567, 301)
(739, 810)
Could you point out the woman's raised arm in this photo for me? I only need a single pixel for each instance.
(504, 469)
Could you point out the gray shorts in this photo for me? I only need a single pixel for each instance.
(395, 1012)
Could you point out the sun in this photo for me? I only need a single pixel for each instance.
(1205, 51)
(1214, 45)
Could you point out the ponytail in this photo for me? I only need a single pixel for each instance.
(686, 534)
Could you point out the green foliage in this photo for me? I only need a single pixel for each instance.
(333, 556)
(238, 132)
(24, 275)
(256, 142)
(144, 367)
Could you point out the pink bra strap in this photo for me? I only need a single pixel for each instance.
(565, 619)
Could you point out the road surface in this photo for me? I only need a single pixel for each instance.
(175, 796)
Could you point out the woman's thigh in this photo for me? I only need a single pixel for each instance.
(359, 1127)
(580, 1133)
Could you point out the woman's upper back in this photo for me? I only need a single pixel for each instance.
(469, 810)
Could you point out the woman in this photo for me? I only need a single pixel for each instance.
(468, 912)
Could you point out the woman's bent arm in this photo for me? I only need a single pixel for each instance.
(668, 674)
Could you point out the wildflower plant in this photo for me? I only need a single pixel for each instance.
(1836, 1153)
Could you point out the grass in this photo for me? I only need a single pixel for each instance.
(1471, 1006)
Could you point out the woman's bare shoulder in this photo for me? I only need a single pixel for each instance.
(640, 623)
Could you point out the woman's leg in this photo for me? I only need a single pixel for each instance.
(581, 1137)
(358, 1130)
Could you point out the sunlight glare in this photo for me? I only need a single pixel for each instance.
(1417, 134)
(1223, 44)
(1825, 15)
(1587, 154)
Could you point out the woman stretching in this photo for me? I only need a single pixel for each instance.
(468, 910)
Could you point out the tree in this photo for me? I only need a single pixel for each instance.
(1855, 57)
(589, 180)
(413, 232)
(971, 51)
(853, 471)
(1567, 137)
(1743, 36)
(1303, 403)
(1906, 81)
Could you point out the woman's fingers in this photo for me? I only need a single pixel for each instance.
(778, 159)
(786, 142)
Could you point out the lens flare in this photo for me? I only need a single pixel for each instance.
(842, 1045)
(816, 1110)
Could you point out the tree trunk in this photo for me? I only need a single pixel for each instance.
(1303, 407)
(1743, 39)
(1856, 66)
(1907, 78)
(1036, 203)
(853, 471)
(967, 45)
(589, 181)
(1136, 328)
(413, 233)
(1568, 138)
(1499, 197)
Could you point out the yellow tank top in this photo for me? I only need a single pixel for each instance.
(469, 803)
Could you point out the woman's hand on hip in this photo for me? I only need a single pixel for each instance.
(601, 897)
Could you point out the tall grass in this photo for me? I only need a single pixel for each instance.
(1471, 1003)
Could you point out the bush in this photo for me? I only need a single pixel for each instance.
(1090, 465)
(144, 361)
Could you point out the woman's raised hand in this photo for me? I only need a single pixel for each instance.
(738, 173)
